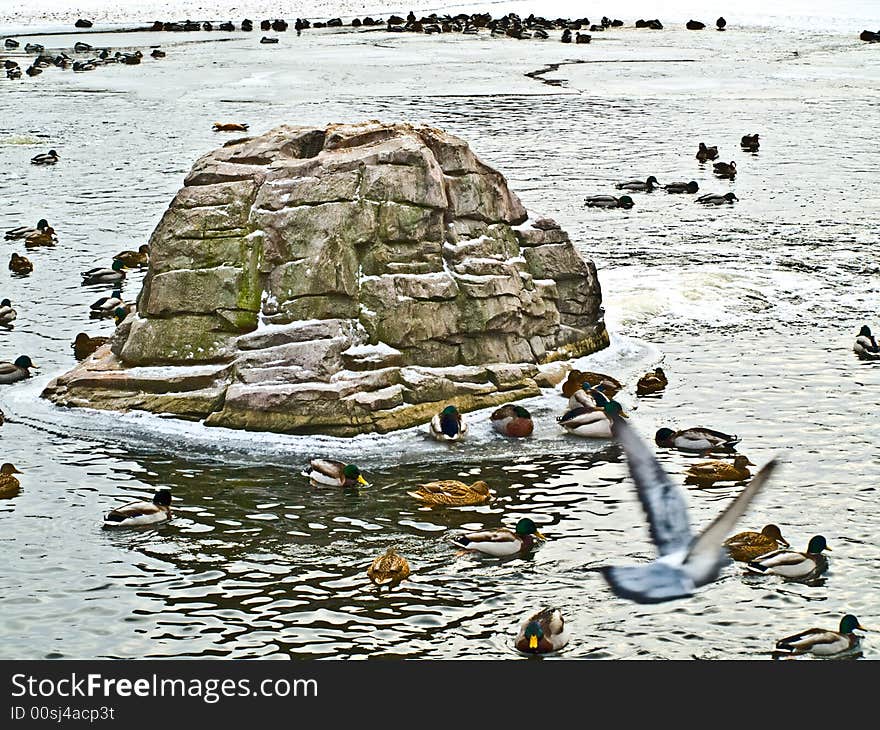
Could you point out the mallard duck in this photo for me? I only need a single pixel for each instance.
(334, 473)
(501, 542)
(448, 425)
(682, 187)
(451, 492)
(542, 632)
(120, 313)
(646, 186)
(792, 564)
(9, 485)
(577, 378)
(750, 142)
(106, 306)
(717, 198)
(699, 439)
(140, 513)
(13, 234)
(608, 201)
(588, 422)
(230, 127)
(685, 561)
(133, 259)
(512, 420)
(746, 546)
(100, 275)
(720, 23)
(389, 569)
(866, 346)
(20, 265)
(44, 237)
(12, 372)
(724, 169)
(706, 473)
(7, 313)
(694, 25)
(822, 642)
(83, 345)
(652, 382)
(707, 153)
(48, 158)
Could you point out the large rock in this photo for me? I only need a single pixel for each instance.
(343, 280)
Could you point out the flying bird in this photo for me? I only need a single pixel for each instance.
(686, 562)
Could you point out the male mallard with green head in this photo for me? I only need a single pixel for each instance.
(542, 633)
(791, 564)
(137, 514)
(448, 425)
(12, 372)
(501, 542)
(822, 642)
(334, 473)
(101, 275)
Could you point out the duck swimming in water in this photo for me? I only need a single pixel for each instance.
(542, 633)
(230, 127)
(14, 234)
(608, 201)
(822, 642)
(639, 185)
(106, 306)
(717, 198)
(48, 158)
(865, 345)
(699, 439)
(334, 474)
(682, 187)
(724, 169)
(20, 265)
(502, 542)
(707, 153)
(137, 514)
(132, 259)
(83, 345)
(652, 382)
(452, 493)
(12, 372)
(100, 275)
(748, 545)
(791, 564)
(591, 421)
(9, 484)
(750, 142)
(706, 473)
(389, 569)
(7, 313)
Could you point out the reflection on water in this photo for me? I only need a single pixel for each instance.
(752, 308)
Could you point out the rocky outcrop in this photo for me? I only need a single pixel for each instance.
(343, 280)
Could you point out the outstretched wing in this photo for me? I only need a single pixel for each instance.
(663, 502)
(655, 582)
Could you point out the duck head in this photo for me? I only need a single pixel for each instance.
(817, 545)
(774, 533)
(865, 331)
(741, 462)
(5, 303)
(8, 468)
(624, 201)
(521, 412)
(162, 497)
(526, 527)
(119, 314)
(353, 474)
(117, 265)
(24, 362)
(42, 224)
(664, 436)
(651, 181)
(850, 623)
(613, 408)
(534, 635)
(730, 196)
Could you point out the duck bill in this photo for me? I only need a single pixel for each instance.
(362, 481)
(828, 548)
(859, 626)
(533, 641)
(540, 536)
